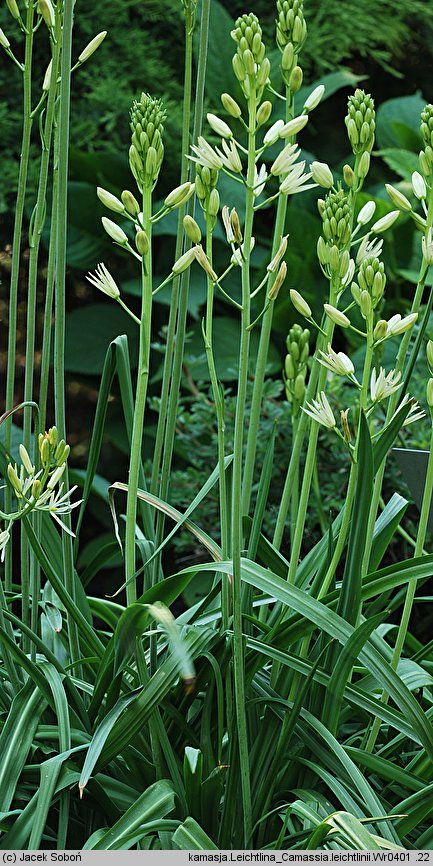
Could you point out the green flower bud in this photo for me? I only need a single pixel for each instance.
(322, 174)
(291, 26)
(430, 394)
(380, 330)
(264, 113)
(179, 195)
(183, 262)
(429, 353)
(214, 203)
(109, 200)
(53, 436)
(4, 41)
(398, 198)
(299, 388)
(336, 219)
(14, 480)
(239, 68)
(348, 175)
(427, 126)
(13, 8)
(230, 105)
(295, 80)
(334, 259)
(142, 242)
(356, 293)
(45, 8)
(360, 122)
(45, 452)
(25, 460)
(365, 304)
(364, 165)
(300, 304)
(130, 203)
(336, 316)
(289, 367)
(114, 231)
(36, 488)
(192, 230)
(288, 56)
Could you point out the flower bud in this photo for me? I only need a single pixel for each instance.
(336, 316)
(404, 324)
(418, 185)
(273, 265)
(36, 488)
(14, 480)
(295, 80)
(204, 262)
(366, 213)
(300, 304)
(183, 262)
(214, 203)
(236, 226)
(219, 126)
(13, 8)
(292, 127)
(364, 165)
(25, 460)
(179, 195)
(360, 122)
(299, 388)
(45, 8)
(56, 476)
(239, 68)
(273, 133)
(192, 230)
(92, 46)
(45, 452)
(114, 231)
(4, 41)
(348, 175)
(142, 242)
(53, 435)
(365, 304)
(279, 280)
(429, 353)
(385, 222)
(314, 98)
(264, 113)
(130, 203)
(109, 200)
(47, 77)
(380, 330)
(398, 198)
(322, 174)
(430, 393)
(230, 105)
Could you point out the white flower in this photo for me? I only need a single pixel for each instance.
(296, 181)
(369, 248)
(205, 155)
(219, 126)
(337, 362)
(285, 159)
(319, 410)
(415, 412)
(103, 281)
(384, 384)
(418, 185)
(273, 132)
(366, 213)
(58, 504)
(260, 178)
(230, 158)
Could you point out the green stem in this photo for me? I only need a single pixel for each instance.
(237, 533)
(179, 341)
(171, 328)
(16, 255)
(140, 403)
(60, 295)
(219, 408)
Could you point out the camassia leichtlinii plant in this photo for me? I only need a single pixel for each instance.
(238, 722)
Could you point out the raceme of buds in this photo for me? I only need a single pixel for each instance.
(360, 122)
(291, 26)
(250, 65)
(295, 366)
(398, 198)
(92, 46)
(192, 230)
(110, 201)
(372, 279)
(147, 150)
(205, 181)
(336, 219)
